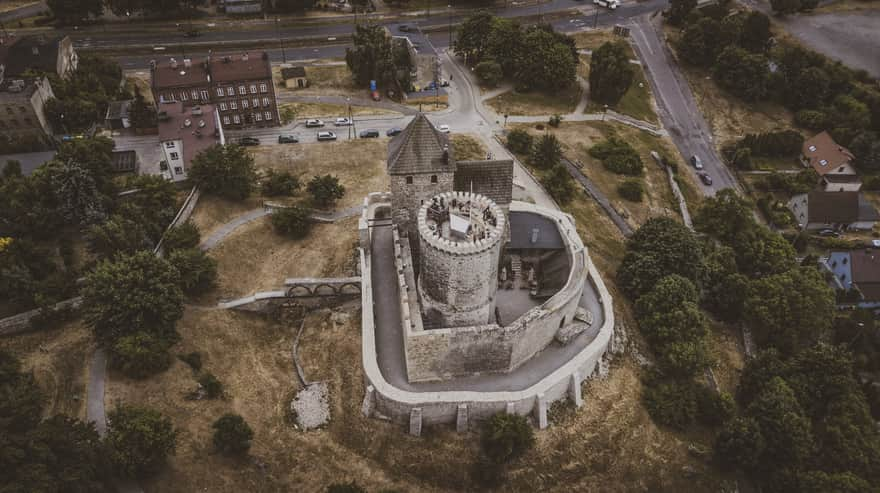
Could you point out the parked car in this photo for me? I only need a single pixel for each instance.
(391, 132)
(342, 122)
(369, 133)
(375, 95)
(706, 179)
(405, 28)
(829, 232)
(287, 139)
(314, 123)
(248, 141)
(444, 128)
(611, 4)
(696, 162)
(326, 136)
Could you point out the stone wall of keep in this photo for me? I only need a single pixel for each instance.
(407, 198)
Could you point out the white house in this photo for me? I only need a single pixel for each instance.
(184, 131)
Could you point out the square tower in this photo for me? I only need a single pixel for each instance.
(421, 165)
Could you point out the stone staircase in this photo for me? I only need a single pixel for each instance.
(515, 267)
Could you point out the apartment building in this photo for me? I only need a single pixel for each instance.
(239, 86)
(21, 107)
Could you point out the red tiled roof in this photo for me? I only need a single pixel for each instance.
(165, 75)
(232, 68)
(825, 155)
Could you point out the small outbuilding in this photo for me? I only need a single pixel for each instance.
(117, 116)
(294, 77)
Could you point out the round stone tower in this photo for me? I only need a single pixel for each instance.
(460, 237)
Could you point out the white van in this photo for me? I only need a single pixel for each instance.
(611, 4)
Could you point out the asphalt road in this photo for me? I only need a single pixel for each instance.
(678, 108)
(22, 12)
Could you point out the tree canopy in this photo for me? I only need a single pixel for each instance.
(611, 74)
(139, 440)
(226, 170)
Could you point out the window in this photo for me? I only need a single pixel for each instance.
(236, 119)
(178, 170)
(268, 115)
(169, 145)
(222, 106)
(263, 88)
(258, 117)
(230, 91)
(174, 156)
(204, 95)
(220, 92)
(253, 88)
(433, 178)
(409, 180)
(226, 120)
(233, 105)
(244, 103)
(823, 162)
(266, 102)
(242, 90)
(195, 95)
(256, 102)
(183, 96)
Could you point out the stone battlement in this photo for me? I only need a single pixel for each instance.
(480, 223)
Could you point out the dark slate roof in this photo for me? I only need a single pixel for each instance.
(839, 207)
(494, 179)
(29, 160)
(291, 72)
(117, 110)
(36, 52)
(124, 161)
(420, 148)
(522, 225)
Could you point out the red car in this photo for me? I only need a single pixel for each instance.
(376, 96)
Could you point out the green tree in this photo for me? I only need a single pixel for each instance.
(182, 237)
(212, 386)
(198, 272)
(472, 36)
(783, 7)
(70, 116)
(506, 44)
(559, 184)
(670, 403)
(153, 206)
(227, 171)
(141, 114)
(756, 32)
(618, 156)
(866, 147)
(660, 247)
(131, 294)
(75, 191)
(546, 152)
(725, 216)
(679, 11)
(489, 72)
(141, 354)
(699, 44)
(118, 235)
(506, 437)
(547, 64)
(371, 57)
(277, 183)
(519, 141)
(809, 90)
(787, 432)
(611, 74)
(71, 11)
(232, 434)
(325, 190)
(740, 444)
(790, 310)
(139, 440)
(22, 400)
(293, 222)
(745, 74)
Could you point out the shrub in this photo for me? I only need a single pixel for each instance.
(742, 158)
(277, 183)
(325, 190)
(139, 440)
(186, 235)
(140, 355)
(783, 143)
(714, 408)
(293, 222)
(193, 360)
(670, 403)
(198, 272)
(232, 434)
(631, 190)
(211, 385)
(227, 171)
(618, 156)
(546, 152)
(555, 121)
(519, 141)
(489, 72)
(350, 487)
(811, 119)
(506, 437)
(559, 184)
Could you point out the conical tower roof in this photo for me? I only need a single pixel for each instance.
(420, 148)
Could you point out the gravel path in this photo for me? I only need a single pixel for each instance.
(95, 405)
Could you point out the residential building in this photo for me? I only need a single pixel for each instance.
(240, 87)
(184, 131)
(125, 161)
(840, 183)
(833, 210)
(826, 156)
(856, 274)
(40, 53)
(242, 6)
(294, 77)
(21, 107)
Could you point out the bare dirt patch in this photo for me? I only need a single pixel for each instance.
(329, 110)
(592, 40)
(59, 360)
(254, 258)
(468, 147)
(325, 79)
(560, 102)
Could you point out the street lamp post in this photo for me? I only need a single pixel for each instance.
(280, 39)
(449, 9)
(604, 113)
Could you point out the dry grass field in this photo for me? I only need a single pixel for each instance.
(535, 102)
(467, 147)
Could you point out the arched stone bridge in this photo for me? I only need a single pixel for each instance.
(322, 286)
